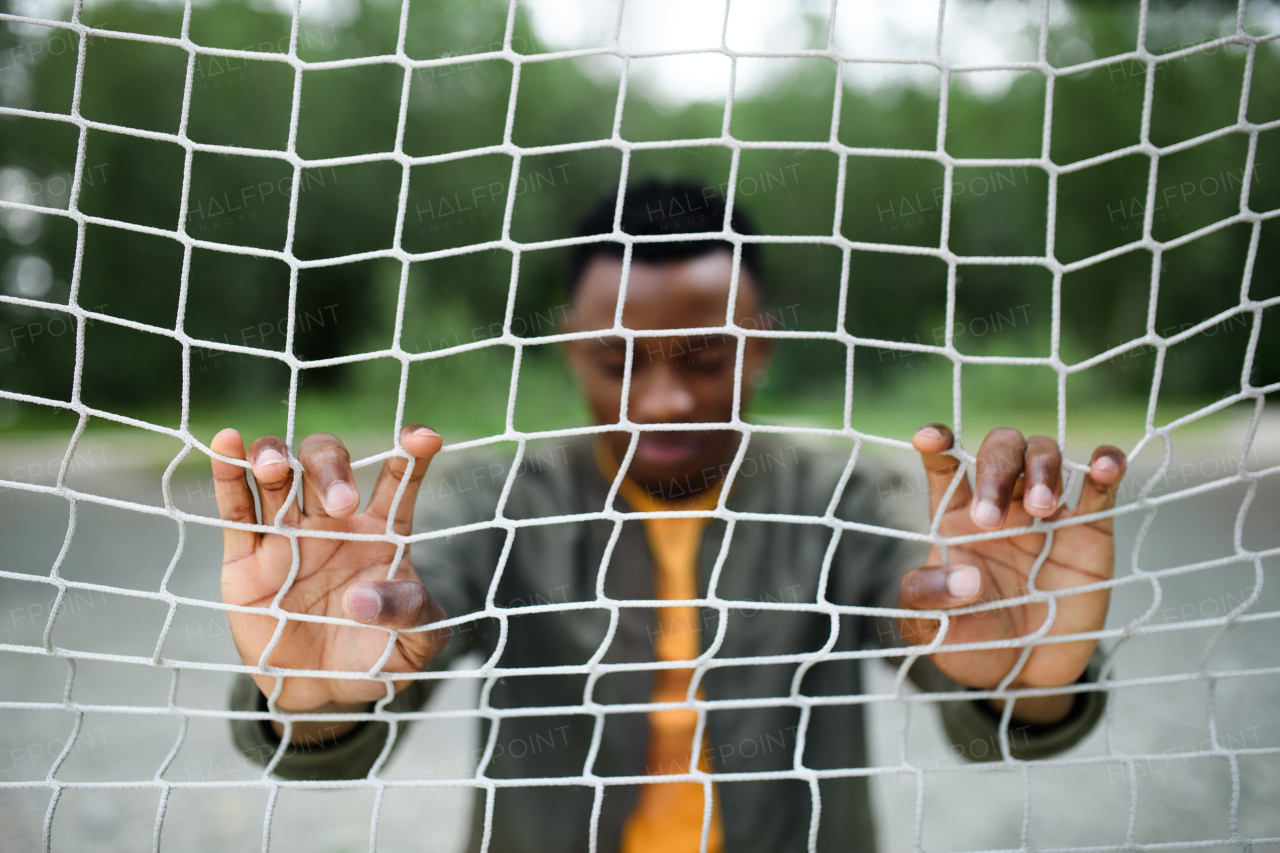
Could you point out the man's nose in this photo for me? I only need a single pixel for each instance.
(660, 395)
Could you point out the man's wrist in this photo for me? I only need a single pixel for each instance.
(317, 734)
(1038, 710)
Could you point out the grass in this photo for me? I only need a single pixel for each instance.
(465, 397)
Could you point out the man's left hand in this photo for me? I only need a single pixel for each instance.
(1017, 480)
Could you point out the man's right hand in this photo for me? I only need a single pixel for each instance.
(338, 578)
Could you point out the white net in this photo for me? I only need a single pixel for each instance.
(1142, 500)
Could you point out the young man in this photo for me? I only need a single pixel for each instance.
(763, 667)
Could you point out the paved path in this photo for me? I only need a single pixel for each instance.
(965, 807)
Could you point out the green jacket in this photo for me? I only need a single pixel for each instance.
(764, 675)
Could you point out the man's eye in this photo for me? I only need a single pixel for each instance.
(711, 364)
(613, 367)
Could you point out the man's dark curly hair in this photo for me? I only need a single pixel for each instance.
(655, 207)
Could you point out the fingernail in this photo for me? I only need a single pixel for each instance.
(929, 432)
(365, 603)
(269, 456)
(425, 431)
(963, 581)
(1040, 497)
(339, 497)
(1106, 464)
(986, 513)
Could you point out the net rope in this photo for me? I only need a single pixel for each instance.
(1144, 503)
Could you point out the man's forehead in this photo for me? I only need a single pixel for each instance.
(670, 295)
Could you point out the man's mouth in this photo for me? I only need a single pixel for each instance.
(669, 448)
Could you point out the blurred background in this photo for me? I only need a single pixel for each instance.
(348, 309)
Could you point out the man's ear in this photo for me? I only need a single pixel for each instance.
(763, 347)
(759, 355)
(568, 321)
(571, 350)
(758, 352)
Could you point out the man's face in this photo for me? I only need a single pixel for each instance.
(687, 379)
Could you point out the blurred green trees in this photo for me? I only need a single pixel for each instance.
(349, 308)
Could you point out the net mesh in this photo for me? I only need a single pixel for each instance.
(1144, 502)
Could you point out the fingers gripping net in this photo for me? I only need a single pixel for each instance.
(1144, 503)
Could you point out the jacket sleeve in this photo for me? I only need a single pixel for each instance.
(874, 568)
(456, 571)
(351, 757)
(974, 726)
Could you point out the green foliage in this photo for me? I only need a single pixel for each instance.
(349, 308)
